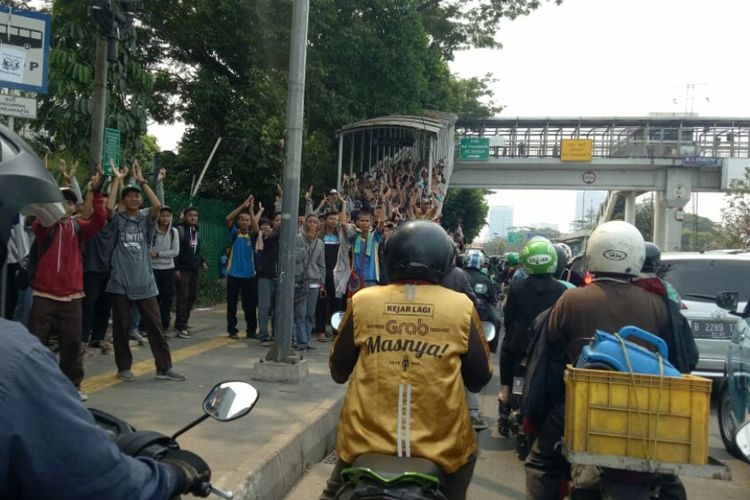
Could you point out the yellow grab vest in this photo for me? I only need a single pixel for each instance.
(406, 395)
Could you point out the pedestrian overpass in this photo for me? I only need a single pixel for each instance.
(673, 156)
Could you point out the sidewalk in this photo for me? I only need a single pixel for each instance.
(260, 456)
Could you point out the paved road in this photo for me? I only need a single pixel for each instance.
(234, 448)
(500, 475)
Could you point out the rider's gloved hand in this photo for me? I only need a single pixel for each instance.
(193, 472)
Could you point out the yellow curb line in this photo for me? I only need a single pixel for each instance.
(106, 380)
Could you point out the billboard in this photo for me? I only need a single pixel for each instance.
(24, 49)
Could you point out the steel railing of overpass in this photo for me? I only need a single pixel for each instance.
(618, 137)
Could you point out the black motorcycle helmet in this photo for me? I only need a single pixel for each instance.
(24, 180)
(419, 249)
(562, 262)
(652, 263)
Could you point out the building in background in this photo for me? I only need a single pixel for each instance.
(500, 219)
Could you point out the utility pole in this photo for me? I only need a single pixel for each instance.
(98, 102)
(284, 314)
(112, 18)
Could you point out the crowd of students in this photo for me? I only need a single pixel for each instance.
(111, 261)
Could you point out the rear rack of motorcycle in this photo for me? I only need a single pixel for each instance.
(714, 469)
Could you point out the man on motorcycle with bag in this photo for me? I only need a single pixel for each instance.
(50, 446)
(615, 255)
(524, 301)
(408, 350)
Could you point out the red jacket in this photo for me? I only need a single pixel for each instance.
(59, 271)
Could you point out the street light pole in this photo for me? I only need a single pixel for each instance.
(283, 324)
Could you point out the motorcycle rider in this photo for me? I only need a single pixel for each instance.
(50, 446)
(525, 299)
(411, 337)
(564, 256)
(484, 288)
(512, 263)
(615, 255)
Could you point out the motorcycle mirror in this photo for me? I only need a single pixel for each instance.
(727, 300)
(742, 439)
(230, 400)
(336, 320)
(489, 330)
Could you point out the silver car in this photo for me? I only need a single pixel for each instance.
(698, 278)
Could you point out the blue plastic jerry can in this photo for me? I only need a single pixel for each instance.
(627, 356)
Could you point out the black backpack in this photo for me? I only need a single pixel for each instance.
(683, 352)
(544, 386)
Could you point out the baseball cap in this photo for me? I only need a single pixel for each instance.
(130, 187)
(70, 195)
(332, 191)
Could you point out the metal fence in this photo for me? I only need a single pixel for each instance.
(213, 230)
(650, 137)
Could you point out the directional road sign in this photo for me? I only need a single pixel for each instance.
(474, 148)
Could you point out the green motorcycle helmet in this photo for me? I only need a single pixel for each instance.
(539, 257)
(513, 258)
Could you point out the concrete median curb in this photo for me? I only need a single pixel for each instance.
(287, 456)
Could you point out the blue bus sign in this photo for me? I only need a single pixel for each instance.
(24, 49)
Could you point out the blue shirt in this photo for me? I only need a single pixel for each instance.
(241, 263)
(365, 265)
(50, 446)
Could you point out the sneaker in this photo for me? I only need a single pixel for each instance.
(136, 335)
(83, 395)
(322, 337)
(302, 349)
(126, 376)
(311, 348)
(234, 336)
(183, 334)
(102, 345)
(478, 423)
(264, 343)
(170, 375)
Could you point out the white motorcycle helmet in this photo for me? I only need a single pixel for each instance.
(616, 247)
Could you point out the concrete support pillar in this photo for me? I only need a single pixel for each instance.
(673, 232)
(660, 213)
(630, 208)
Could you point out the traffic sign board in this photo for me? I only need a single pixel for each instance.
(515, 237)
(22, 107)
(24, 49)
(576, 150)
(111, 149)
(588, 177)
(475, 148)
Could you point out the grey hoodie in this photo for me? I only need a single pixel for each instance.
(310, 260)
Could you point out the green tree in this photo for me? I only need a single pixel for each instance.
(64, 115)
(644, 220)
(495, 246)
(735, 218)
(468, 208)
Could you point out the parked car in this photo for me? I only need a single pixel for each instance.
(698, 278)
(734, 396)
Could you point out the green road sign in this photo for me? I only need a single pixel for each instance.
(111, 149)
(515, 237)
(475, 148)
